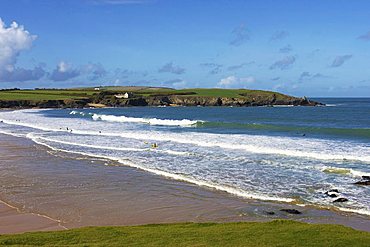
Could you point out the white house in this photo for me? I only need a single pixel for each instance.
(122, 96)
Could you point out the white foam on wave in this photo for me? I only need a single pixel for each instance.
(32, 136)
(151, 121)
(227, 141)
(259, 144)
(352, 210)
(178, 177)
(227, 189)
(11, 134)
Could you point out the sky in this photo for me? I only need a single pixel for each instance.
(304, 48)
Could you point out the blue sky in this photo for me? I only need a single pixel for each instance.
(313, 48)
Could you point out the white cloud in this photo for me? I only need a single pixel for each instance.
(64, 71)
(13, 40)
(236, 82)
(95, 71)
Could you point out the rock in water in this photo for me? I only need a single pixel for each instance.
(367, 182)
(332, 193)
(341, 200)
(290, 211)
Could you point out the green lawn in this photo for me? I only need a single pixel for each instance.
(215, 92)
(275, 233)
(45, 94)
(219, 92)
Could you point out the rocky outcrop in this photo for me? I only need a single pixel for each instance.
(365, 181)
(20, 104)
(290, 211)
(211, 101)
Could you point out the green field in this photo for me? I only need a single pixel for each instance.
(45, 94)
(275, 233)
(83, 93)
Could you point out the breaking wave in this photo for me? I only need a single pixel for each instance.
(151, 121)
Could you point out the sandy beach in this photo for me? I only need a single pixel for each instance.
(79, 191)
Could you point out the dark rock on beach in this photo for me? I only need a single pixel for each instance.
(366, 182)
(290, 211)
(342, 199)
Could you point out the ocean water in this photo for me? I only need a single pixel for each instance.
(282, 154)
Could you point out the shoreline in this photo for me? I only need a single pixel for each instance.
(188, 203)
(12, 221)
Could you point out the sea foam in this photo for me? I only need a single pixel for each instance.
(151, 121)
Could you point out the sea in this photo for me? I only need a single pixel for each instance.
(282, 154)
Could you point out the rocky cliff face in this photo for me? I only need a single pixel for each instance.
(20, 104)
(213, 101)
(172, 100)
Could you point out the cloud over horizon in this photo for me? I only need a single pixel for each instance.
(22, 75)
(236, 82)
(340, 60)
(95, 71)
(284, 63)
(64, 71)
(13, 40)
(171, 68)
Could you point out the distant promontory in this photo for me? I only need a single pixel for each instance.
(145, 96)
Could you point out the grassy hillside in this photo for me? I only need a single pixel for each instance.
(62, 94)
(275, 233)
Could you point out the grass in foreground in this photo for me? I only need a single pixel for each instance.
(275, 233)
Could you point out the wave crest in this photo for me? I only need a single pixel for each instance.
(151, 121)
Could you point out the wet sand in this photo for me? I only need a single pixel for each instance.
(83, 191)
(12, 221)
